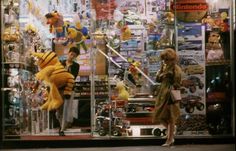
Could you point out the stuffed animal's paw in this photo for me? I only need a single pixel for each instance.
(55, 104)
(39, 76)
(45, 106)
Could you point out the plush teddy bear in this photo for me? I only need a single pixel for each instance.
(53, 74)
(213, 47)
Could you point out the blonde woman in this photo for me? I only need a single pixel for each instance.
(166, 110)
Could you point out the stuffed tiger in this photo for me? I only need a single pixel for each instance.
(53, 73)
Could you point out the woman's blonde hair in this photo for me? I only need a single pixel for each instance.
(169, 54)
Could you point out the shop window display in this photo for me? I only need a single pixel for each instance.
(120, 43)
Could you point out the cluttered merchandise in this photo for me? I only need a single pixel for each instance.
(115, 46)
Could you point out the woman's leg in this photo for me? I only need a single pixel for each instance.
(59, 114)
(166, 126)
(170, 137)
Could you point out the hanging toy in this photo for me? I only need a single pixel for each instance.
(134, 75)
(76, 36)
(56, 24)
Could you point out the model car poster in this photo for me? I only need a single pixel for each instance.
(191, 37)
(191, 51)
(193, 83)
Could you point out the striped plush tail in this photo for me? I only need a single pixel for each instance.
(69, 87)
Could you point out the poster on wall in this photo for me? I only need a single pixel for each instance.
(136, 6)
(191, 50)
(151, 8)
(193, 85)
(192, 61)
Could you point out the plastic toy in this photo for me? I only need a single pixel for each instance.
(103, 121)
(56, 77)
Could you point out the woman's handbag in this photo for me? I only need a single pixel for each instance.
(175, 95)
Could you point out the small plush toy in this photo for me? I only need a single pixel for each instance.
(134, 75)
(209, 22)
(56, 23)
(82, 29)
(76, 36)
(30, 29)
(214, 49)
(125, 33)
(53, 74)
(123, 94)
(169, 17)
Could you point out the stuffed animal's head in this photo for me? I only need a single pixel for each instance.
(46, 59)
(52, 18)
(120, 85)
(214, 40)
(169, 17)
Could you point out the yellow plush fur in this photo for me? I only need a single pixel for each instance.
(122, 92)
(53, 73)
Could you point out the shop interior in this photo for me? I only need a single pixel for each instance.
(120, 42)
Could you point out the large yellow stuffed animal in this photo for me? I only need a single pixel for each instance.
(53, 73)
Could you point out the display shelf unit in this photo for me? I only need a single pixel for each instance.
(218, 98)
(82, 89)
